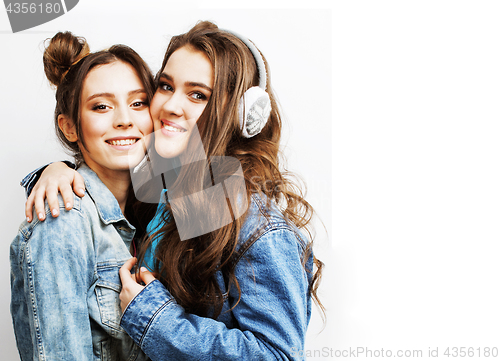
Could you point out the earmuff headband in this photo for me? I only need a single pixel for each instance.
(255, 105)
(258, 59)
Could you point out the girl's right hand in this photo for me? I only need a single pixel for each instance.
(57, 177)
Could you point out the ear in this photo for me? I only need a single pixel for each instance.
(67, 127)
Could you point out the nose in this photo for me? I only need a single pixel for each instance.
(123, 118)
(173, 105)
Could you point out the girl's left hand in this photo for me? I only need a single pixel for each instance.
(131, 283)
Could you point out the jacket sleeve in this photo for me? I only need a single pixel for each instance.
(271, 317)
(50, 278)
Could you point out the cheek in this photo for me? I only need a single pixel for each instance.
(156, 125)
(193, 122)
(146, 123)
(155, 105)
(195, 115)
(91, 128)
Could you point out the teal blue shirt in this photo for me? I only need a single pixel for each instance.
(153, 226)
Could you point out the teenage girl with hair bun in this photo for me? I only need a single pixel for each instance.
(65, 271)
(244, 289)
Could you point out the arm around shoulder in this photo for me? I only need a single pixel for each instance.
(46, 183)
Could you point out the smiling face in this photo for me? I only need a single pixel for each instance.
(184, 88)
(115, 118)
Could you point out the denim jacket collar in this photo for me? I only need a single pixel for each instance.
(106, 203)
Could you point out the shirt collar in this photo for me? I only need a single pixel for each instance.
(106, 203)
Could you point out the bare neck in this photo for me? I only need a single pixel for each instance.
(118, 183)
(119, 187)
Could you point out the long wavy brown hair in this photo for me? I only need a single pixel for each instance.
(188, 268)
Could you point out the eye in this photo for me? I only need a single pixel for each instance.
(140, 104)
(99, 106)
(165, 86)
(199, 96)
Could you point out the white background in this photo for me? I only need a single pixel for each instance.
(296, 42)
(393, 121)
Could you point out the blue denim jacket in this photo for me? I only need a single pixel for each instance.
(268, 323)
(65, 284)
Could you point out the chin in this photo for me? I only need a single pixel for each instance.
(166, 149)
(133, 160)
(162, 152)
(122, 166)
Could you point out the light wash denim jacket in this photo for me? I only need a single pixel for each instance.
(65, 284)
(269, 322)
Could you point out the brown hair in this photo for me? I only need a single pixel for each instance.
(187, 268)
(67, 62)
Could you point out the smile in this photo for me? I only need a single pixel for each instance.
(171, 127)
(122, 141)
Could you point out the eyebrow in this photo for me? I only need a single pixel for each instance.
(188, 83)
(111, 95)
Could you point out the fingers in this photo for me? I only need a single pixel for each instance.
(130, 287)
(67, 191)
(51, 194)
(39, 202)
(36, 199)
(28, 207)
(124, 272)
(78, 185)
(67, 195)
(57, 177)
(146, 276)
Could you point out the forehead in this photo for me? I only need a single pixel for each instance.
(188, 64)
(114, 77)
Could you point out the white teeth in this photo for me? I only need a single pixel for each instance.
(123, 142)
(172, 129)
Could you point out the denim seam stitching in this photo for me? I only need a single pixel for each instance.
(146, 329)
(135, 353)
(36, 322)
(255, 239)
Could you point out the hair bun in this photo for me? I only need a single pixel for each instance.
(64, 50)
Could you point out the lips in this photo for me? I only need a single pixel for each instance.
(172, 127)
(122, 141)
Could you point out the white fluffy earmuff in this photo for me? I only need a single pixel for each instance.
(255, 105)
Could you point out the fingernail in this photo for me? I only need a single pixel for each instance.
(82, 190)
(144, 269)
(55, 212)
(40, 215)
(68, 205)
(28, 219)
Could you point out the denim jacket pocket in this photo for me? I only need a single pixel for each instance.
(108, 287)
(107, 352)
(107, 290)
